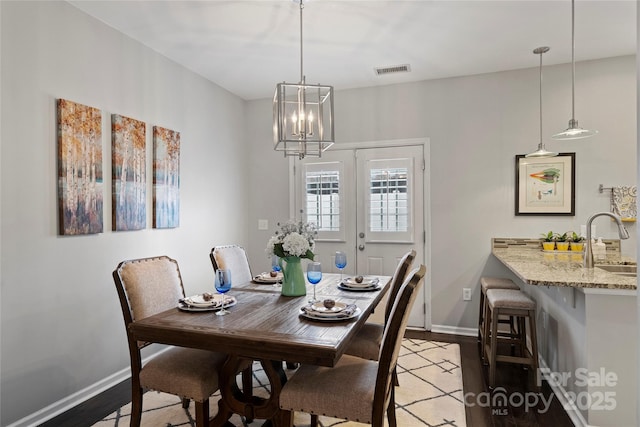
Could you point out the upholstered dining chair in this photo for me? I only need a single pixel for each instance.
(366, 343)
(365, 390)
(148, 286)
(234, 258)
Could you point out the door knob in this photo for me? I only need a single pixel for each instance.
(361, 247)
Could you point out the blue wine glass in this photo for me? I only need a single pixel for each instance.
(314, 276)
(341, 262)
(223, 285)
(275, 266)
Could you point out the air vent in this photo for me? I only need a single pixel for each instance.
(404, 68)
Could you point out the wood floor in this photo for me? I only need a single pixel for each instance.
(513, 379)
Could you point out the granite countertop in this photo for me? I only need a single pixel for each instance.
(537, 267)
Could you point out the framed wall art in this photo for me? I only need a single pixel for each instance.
(128, 152)
(166, 178)
(80, 183)
(545, 186)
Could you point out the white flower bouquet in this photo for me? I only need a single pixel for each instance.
(293, 239)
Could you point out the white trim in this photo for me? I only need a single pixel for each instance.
(454, 330)
(63, 405)
(69, 402)
(568, 404)
(380, 143)
(612, 292)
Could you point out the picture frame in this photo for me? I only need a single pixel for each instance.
(166, 178)
(545, 185)
(128, 173)
(80, 179)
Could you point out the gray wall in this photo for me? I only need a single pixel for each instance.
(476, 126)
(62, 327)
(69, 335)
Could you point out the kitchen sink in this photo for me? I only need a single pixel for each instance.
(629, 270)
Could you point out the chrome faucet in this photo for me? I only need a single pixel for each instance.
(588, 250)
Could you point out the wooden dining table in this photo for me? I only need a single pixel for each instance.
(267, 327)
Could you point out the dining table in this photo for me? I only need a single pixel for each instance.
(266, 327)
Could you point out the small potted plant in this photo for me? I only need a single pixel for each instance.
(577, 242)
(562, 242)
(548, 241)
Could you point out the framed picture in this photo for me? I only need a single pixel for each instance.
(166, 178)
(129, 179)
(546, 186)
(79, 168)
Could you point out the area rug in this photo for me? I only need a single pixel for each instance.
(430, 394)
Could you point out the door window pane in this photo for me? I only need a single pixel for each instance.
(389, 204)
(323, 199)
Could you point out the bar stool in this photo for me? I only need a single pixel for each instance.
(487, 283)
(510, 302)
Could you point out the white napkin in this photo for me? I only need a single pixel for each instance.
(348, 311)
(350, 282)
(200, 302)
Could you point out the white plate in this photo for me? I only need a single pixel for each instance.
(359, 289)
(319, 307)
(366, 282)
(334, 318)
(199, 301)
(229, 302)
(266, 278)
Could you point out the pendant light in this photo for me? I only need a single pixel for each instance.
(302, 115)
(541, 151)
(573, 131)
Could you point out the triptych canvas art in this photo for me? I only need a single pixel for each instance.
(80, 177)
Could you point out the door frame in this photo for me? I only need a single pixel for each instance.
(426, 197)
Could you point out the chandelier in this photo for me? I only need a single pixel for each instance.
(302, 115)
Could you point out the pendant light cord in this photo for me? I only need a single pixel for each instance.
(573, 63)
(301, 72)
(541, 96)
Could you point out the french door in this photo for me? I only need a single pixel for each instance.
(368, 203)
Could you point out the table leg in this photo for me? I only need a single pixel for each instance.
(233, 401)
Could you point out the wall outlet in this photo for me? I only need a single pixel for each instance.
(263, 224)
(466, 294)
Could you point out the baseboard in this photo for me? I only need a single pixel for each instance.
(454, 330)
(69, 402)
(561, 394)
(63, 405)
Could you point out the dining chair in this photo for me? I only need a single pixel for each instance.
(355, 389)
(146, 287)
(234, 258)
(366, 343)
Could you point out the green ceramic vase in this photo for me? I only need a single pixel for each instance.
(293, 283)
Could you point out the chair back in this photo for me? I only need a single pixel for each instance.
(146, 286)
(398, 278)
(392, 341)
(234, 258)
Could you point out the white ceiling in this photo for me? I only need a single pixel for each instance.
(249, 46)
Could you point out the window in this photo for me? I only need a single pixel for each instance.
(389, 205)
(323, 199)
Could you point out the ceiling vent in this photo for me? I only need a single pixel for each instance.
(381, 71)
